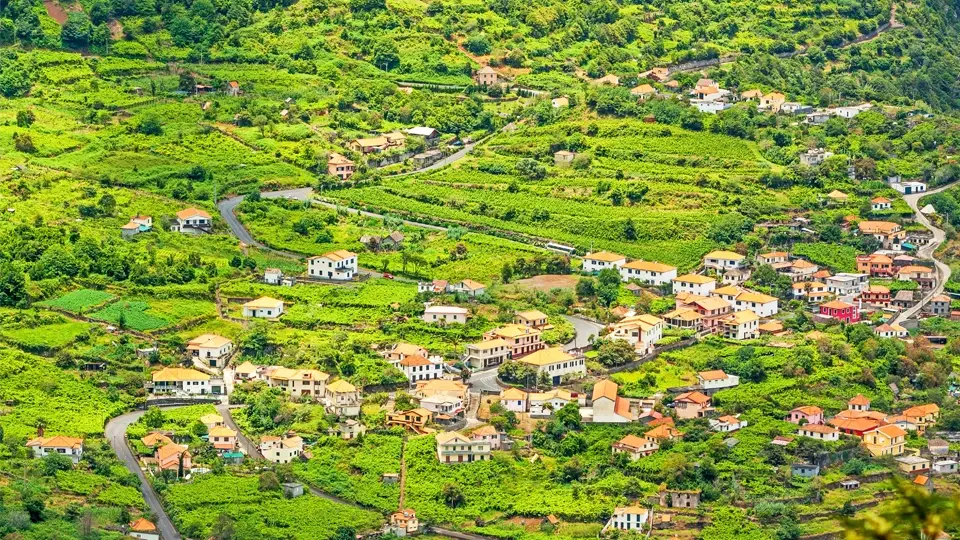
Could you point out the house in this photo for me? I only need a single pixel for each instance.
(437, 286)
(143, 529)
(792, 107)
(556, 363)
(727, 424)
(691, 404)
(889, 234)
(658, 74)
(601, 260)
(347, 430)
(938, 447)
(173, 457)
(773, 257)
(804, 470)
(272, 276)
(211, 421)
(425, 159)
(806, 414)
(876, 265)
(545, 403)
(841, 311)
(263, 308)
(723, 260)
(532, 318)
(641, 331)
(415, 420)
(939, 305)
(890, 331)
(137, 224)
(694, 284)
(876, 295)
(923, 415)
(420, 368)
(885, 440)
(648, 272)
(924, 276)
(404, 523)
(715, 380)
(740, 325)
(814, 157)
(192, 221)
(488, 434)
(223, 439)
(340, 265)
(487, 353)
(520, 339)
(175, 380)
(811, 291)
(909, 188)
(485, 76)
(838, 196)
(369, 145)
(878, 204)
(643, 91)
(628, 518)
(945, 466)
(771, 102)
(850, 485)
(858, 402)
(211, 349)
(663, 432)
(452, 447)
(751, 94)
(246, 371)
(403, 350)
(233, 88)
(739, 299)
(608, 80)
(563, 158)
(281, 449)
(912, 464)
(635, 447)
(468, 287)
(608, 407)
(818, 431)
(710, 106)
(445, 315)
(685, 319)
(854, 426)
(514, 399)
(678, 498)
(844, 284)
(818, 117)
(904, 299)
(429, 134)
(339, 166)
(712, 311)
(441, 387)
(560, 102)
(394, 240)
(71, 447)
(342, 398)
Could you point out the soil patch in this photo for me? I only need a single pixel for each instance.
(547, 282)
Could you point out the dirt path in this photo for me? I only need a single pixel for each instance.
(55, 11)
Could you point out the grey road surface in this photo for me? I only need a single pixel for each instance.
(245, 443)
(584, 329)
(115, 432)
(484, 380)
(927, 252)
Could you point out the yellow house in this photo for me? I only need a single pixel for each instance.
(923, 416)
(885, 440)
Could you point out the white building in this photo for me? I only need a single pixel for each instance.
(263, 308)
(845, 284)
(281, 450)
(724, 260)
(488, 353)
(608, 407)
(468, 287)
(452, 447)
(445, 314)
(211, 349)
(514, 399)
(741, 325)
(814, 157)
(909, 188)
(546, 403)
(649, 272)
(727, 424)
(710, 106)
(175, 380)
(850, 112)
(630, 518)
(419, 368)
(272, 276)
(192, 221)
(442, 404)
(342, 398)
(945, 466)
(602, 260)
(641, 331)
(488, 434)
(819, 431)
(143, 529)
(340, 265)
(694, 284)
(59, 444)
(556, 363)
(715, 380)
(739, 299)
(298, 382)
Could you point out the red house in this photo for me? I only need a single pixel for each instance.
(876, 295)
(840, 311)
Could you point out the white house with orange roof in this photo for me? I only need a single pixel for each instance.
(211, 349)
(740, 325)
(192, 221)
(404, 523)
(170, 456)
(71, 447)
(176, 380)
(715, 380)
(468, 287)
(453, 447)
(143, 529)
(263, 308)
(819, 431)
(608, 407)
(137, 224)
(340, 265)
(722, 260)
(281, 449)
(649, 272)
(602, 260)
(533, 318)
(488, 434)
(858, 402)
(773, 257)
(727, 424)
(740, 299)
(342, 398)
(641, 331)
(514, 399)
(546, 403)
(403, 350)
(890, 331)
(694, 284)
(635, 446)
(223, 439)
(421, 368)
(878, 204)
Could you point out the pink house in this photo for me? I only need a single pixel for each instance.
(807, 413)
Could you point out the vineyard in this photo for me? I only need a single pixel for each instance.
(836, 257)
(79, 301)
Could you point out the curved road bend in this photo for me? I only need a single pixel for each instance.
(926, 252)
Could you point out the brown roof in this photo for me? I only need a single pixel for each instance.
(713, 375)
(142, 525)
(818, 428)
(605, 389)
(414, 360)
(693, 397)
(859, 399)
(192, 212)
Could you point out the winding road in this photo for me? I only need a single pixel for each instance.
(927, 252)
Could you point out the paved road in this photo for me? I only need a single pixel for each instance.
(227, 208)
(484, 380)
(927, 252)
(584, 329)
(115, 433)
(245, 443)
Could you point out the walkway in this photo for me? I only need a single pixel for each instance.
(927, 252)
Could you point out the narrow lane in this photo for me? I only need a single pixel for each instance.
(584, 329)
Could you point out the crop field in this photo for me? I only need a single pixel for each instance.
(79, 301)
(178, 420)
(196, 506)
(835, 257)
(151, 314)
(46, 337)
(353, 471)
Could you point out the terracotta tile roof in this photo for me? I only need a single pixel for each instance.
(605, 256)
(724, 255)
(413, 360)
(693, 397)
(143, 525)
(57, 441)
(859, 399)
(605, 389)
(192, 213)
(173, 374)
(694, 278)
(712, 375)
(808, 410)
(650, 266)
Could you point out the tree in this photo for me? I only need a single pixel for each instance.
(56, 462)
(77, 30)
(608, 288)
(615, 352)
(478, 44)
(100, 12)
(150, 125)
(154, 418)
(530, 169)
(14, 80)
(452, 495)
(25, 118)
(23, 142)
(268, 481)
(585, 287)
(344, 533)
(223, 528)
(13, 286)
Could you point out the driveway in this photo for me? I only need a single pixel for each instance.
(484, 380)
(584, 329)
(926, 252)
(115, 432)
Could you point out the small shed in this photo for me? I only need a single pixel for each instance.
(850, 485)
(390, 478)
(805, 470)
(938, 447)
(233, 458)
(292, 490)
